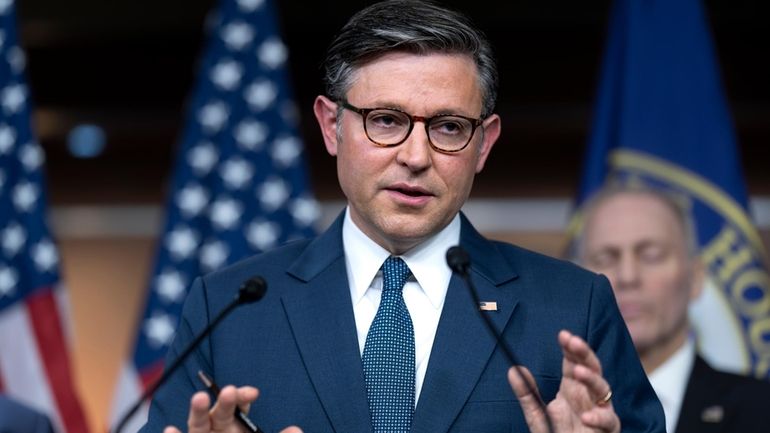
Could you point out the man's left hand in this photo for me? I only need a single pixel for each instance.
(583, 403)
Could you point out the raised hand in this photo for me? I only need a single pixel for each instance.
(583, 403)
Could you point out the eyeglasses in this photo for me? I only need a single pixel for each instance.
(388, 127)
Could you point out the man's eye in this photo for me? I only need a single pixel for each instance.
(385, 120)
(602, 260)
(653, 253)
(449, 127)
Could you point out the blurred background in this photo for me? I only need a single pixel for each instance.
(120, 73)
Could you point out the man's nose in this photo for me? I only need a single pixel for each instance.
(627, 273)
(415, 151)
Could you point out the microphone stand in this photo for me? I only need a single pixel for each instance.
(252, 290)
(460, 263)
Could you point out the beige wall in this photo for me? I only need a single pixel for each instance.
(105, 278)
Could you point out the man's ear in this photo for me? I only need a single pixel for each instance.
(326, 114)
(491, 132)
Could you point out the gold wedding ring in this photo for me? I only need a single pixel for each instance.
(606, 399)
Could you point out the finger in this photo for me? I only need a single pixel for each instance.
(292, 429)
(171, 429)
(245, 396)
(222, 415)
(601, 418)
(524, 386)
(597, 386)
(577, 351)
(198, 420)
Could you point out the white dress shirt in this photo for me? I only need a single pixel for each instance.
(670, 382)
(424, 292)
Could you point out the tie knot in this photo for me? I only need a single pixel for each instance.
(394, 273)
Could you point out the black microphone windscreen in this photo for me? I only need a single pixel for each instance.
(252, 290)
(458, 260)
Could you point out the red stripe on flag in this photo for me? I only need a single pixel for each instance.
(46, 323)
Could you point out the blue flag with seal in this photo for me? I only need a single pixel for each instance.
(662, 120)
(240, 185)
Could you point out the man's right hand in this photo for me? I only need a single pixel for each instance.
(221, 417)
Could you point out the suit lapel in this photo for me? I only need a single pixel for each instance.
(321, 317)
(702, 407)
(463, 345)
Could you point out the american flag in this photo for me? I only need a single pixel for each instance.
(34, 334)
(240, 185)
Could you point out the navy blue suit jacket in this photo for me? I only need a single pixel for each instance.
(299, 345)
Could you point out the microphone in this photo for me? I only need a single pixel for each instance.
(459, 262)
(252, 290)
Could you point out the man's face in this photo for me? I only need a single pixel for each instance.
(637, 241)
(401, 195)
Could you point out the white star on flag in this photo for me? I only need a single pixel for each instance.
(13, 238)
(191, 200)
(170, 285)
(202, 158)
(286, 150)
(236, 173)
(25, 195)
(8, 280)
(260, 94)
(159, 329)
(251, 134)
(225, 213)
(227, 74)
(45, 256)
(181, 242)
(272, 53)
(13, 98)
(213, 116)
(4, 5)
(305, 211)
(237, 35)
(273, 193)
(31, 156)
(213, 255)
(263, 234)
(7, 138)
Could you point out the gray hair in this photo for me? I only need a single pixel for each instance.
(678, 206)
(411, 26)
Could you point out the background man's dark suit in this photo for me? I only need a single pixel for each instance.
(17, 418)
(299, 344)
(718, 402)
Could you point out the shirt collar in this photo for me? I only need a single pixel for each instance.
(669, 380)
(427, 261)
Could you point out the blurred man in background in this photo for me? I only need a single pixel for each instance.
(644, 241)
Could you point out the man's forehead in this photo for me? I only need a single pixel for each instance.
(399, 75)
(633, 217)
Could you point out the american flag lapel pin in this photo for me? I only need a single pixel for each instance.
(488, 306)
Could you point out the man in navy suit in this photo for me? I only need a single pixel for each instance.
(18, 418)
(409, 115)
(644, 241)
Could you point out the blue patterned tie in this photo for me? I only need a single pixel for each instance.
(389, 355)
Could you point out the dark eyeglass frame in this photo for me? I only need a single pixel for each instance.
(364, 112)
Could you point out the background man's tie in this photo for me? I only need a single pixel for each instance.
(389, 355)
